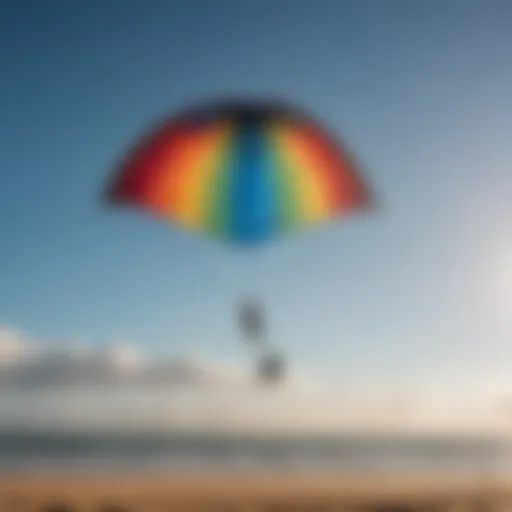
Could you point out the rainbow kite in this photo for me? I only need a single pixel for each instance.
(244, 172)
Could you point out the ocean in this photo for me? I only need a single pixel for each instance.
(34, 452)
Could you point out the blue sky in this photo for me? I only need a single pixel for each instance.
(419, 90)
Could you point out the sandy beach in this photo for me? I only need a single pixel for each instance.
(153, 492)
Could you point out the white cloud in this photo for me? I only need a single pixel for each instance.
(80, 387)
(25, 364)
(13, 348)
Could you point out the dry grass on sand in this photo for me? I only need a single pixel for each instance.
(263, 492)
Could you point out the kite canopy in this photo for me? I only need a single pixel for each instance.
(241, 171)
